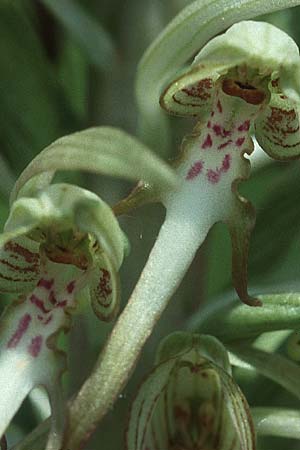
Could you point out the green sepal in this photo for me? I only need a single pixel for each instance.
(188, 388)
(103, 150)
(247, 43)
(180, 343)
(63, 207)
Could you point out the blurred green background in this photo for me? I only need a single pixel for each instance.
(66, 65)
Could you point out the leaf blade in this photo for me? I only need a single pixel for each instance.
(103, 150)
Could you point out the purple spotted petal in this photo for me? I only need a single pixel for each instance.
(28, 355)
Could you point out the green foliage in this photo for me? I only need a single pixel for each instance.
(70, 65)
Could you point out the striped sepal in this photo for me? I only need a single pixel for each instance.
(189, 402)
(277, 128)
(19, 265)
(191, 94)
(105, 289)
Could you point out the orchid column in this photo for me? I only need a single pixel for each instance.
(247, 79)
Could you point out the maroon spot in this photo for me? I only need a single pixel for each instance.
(220, 131)
(213, 176)
(195, 170)
(217, 129)
(225, 144)
(35, 345)
(240, 141)
(244, 126)
(282, 123)
(71, 287)
(46, 284)
(226, 163)
(209, 124)
(62, 304)
(219, 106)
(275, 83)
(39, 303)
(21, 329)
(208, 142)
(104, 290)
(52, 298)
(212, 114)
(200, 89)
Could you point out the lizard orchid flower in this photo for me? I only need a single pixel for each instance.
(244, 81)
(190, 401)
(54, 245)
(61, 242)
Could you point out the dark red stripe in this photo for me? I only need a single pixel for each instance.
(35, 346)
(21, 329)
(29, 257)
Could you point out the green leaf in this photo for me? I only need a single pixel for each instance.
(34, 110)
(89, 33)
(232, 321)
(101, 150)
(181, 39)
(281, 422)
(7, 179)
(273, 366)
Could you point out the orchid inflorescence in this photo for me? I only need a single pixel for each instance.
(62, 244)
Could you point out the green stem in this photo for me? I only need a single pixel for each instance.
(172, 254)
(279, 422)
(36, 439)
